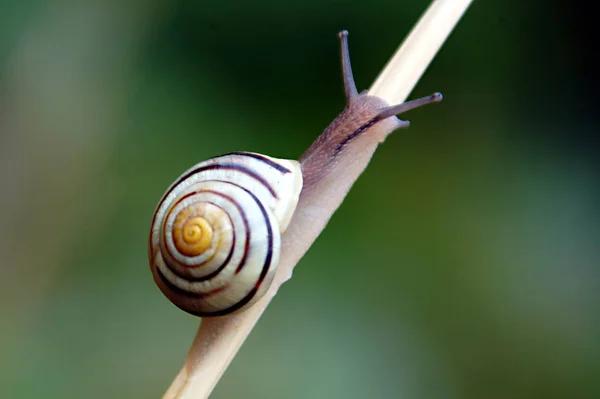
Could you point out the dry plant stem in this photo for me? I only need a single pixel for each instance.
(219, 339)
(403, 71)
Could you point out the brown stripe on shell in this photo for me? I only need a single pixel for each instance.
(183, 292)
(263, 159)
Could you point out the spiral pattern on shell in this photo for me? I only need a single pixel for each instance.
(215, 236)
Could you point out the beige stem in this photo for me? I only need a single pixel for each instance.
(219, 339)
(404, 70)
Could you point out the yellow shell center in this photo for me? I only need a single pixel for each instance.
(192, 235)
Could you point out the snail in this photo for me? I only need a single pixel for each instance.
(215, 239)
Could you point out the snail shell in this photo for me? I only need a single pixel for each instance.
(215, 237)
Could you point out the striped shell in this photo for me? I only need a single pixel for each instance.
(215, 237)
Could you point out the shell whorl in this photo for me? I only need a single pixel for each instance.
(215, 237)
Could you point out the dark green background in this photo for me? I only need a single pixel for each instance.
(463, 263)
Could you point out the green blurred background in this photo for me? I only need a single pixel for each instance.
(463, 263)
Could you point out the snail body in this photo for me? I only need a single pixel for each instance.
(215, 238)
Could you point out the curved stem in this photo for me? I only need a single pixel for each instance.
(219, 339)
